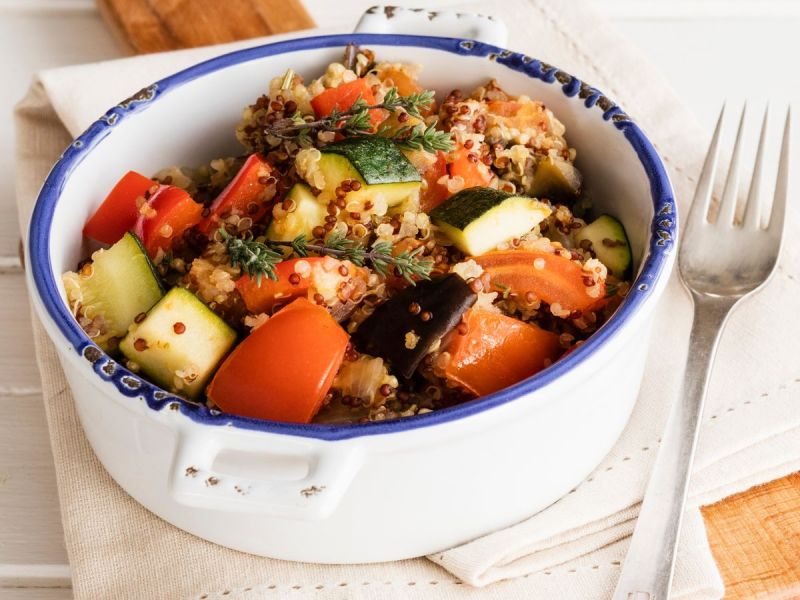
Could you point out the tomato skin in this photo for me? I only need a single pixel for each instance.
(173, 212)
(263, 297)
(498, 351)
(343, 97)
(559, 281)
(243, 191)
(118, 212)
(284, 368)
(455, 164)
(474, 172)
(435, 193)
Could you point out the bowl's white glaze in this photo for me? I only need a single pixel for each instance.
(357, 493)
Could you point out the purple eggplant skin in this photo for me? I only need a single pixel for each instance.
(430, 309)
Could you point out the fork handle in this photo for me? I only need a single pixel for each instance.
(649, 564)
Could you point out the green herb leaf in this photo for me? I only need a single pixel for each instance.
(415, 103)
(254, 258)
(356, 120)
(258, 259)
(428, 138)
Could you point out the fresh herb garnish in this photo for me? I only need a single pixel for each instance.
(356, 121)
(255, 259)
(420, 137)
(258, 259)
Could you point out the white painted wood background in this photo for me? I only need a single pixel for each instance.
(702, 45)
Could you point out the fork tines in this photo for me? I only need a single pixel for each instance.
(727, 210)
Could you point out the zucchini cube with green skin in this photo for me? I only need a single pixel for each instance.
(308, 213)
(120, 284)
(180, 343)
(609, 244)
(556, 179)
(479, 219)
(376, 163)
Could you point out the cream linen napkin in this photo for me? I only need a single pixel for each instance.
(573, 549)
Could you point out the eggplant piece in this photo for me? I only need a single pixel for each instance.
(403, 329)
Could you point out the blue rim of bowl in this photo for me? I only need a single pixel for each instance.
(663, 229)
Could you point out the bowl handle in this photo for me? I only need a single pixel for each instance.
(444, 23)
(331, 466)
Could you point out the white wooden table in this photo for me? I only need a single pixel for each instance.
(710, 49)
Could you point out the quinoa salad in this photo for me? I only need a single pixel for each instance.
(375, 252)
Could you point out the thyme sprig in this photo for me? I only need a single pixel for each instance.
(356, 121)
(258, 259)
(427, 138)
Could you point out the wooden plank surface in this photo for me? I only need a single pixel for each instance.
(32, 41)
(33, 593)
(19, 362)
(145, 26)
(28, 488)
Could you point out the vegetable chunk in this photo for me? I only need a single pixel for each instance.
(284, 368)
(179, 343)
(478, 219)
(403, 329)
(498, 351)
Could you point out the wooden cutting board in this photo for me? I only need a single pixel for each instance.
(144, 26)
(755, 539)
(755, 535)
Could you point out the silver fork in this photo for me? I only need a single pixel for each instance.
(720, 262)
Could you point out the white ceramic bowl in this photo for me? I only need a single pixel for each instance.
(355, 493)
